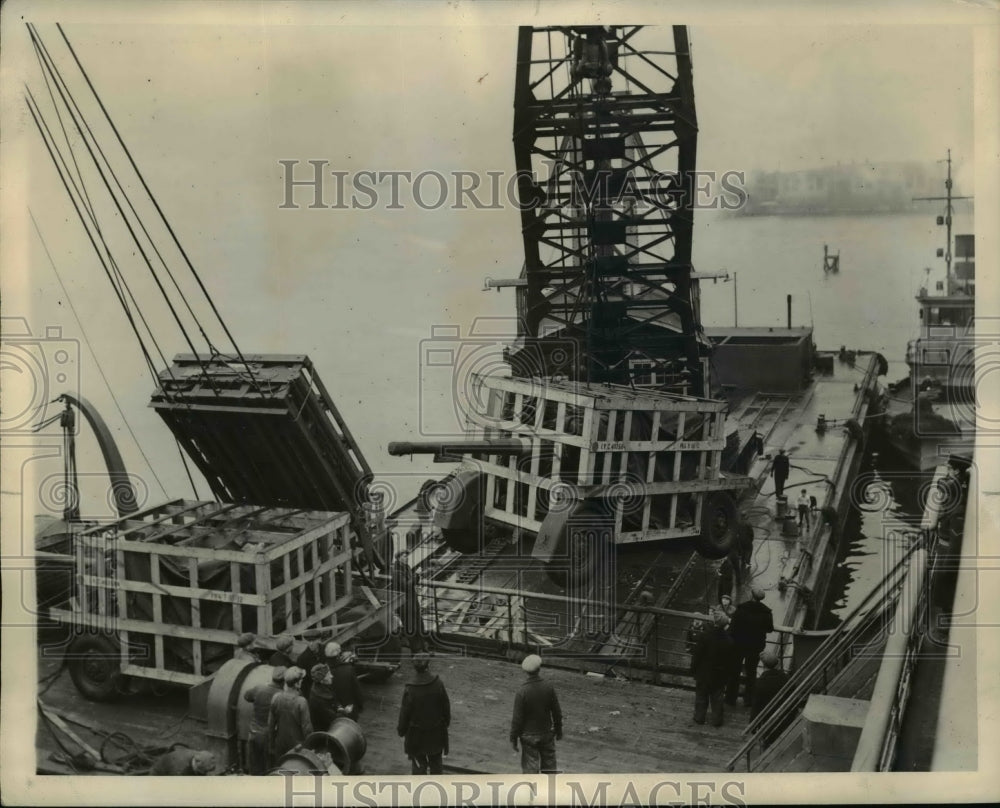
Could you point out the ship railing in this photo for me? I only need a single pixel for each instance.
(876, 749)
(647, 642)
(865, 624)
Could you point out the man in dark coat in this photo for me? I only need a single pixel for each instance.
(537, 720)
(282, 656)
(779, 470)
(404, 581)
(346, 686)
(711, 664)
(752, 622)
(288, 721)
(183, 763)
(424, 718)
(323, 705)
(307, 660)
(768, 685)
(260, 697)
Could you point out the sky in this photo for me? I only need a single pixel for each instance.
(208, 111)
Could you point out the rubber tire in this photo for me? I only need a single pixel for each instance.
(719, 524)
(104, 660)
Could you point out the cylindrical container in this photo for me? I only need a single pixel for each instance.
(789, 527)
(305, 761)
(781, 508)
(344, 741)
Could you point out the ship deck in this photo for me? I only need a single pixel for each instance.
(610, 726)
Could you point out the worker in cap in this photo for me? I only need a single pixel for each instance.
(288, 719)
(346, 685)
(311, 655)
(322, 699)
(752, 622)
(532, 663)
(183, 763)
(283, 652)
(537, 720)
(260, 697)
(424, 718)
(711, 666)
(245, 647)
(766, 688)
(404, 580)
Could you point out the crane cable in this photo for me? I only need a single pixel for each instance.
(152, 198)
(117, 204)
(79, 114)
(115, 278)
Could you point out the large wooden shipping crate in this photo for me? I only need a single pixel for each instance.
(655, 456)
(178, 583)
(264, 431)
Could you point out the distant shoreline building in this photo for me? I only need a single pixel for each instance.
(842, 189)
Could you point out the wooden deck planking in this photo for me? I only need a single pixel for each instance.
(653, 731)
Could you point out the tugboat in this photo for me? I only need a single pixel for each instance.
(931, 413)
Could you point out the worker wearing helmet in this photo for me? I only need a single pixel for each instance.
(288, 722)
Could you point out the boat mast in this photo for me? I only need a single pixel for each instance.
(948, 211)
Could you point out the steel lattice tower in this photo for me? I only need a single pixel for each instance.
(605, 137)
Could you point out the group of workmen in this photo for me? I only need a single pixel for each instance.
(290, 707)
(729, 648)
(306, 693)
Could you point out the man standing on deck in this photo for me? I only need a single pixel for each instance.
(805, 510)
(307, 660)
(346, 686)
(711, 664)
(323, 706)
(261, 697)
(245, 647)
(771, 681)
(752, 622)
(282, 656)
(537, 721)
(288, 722)
(779, 470)
(424, 718)
(404, 581)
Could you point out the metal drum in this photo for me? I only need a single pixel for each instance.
(344, 742)
(790, 527)
(306, 761)
(781, 508)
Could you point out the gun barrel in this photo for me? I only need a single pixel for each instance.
(507, 446)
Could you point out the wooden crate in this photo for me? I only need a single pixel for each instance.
(658, 454)
(178, 583)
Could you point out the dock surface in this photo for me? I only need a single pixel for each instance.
(610, 726)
